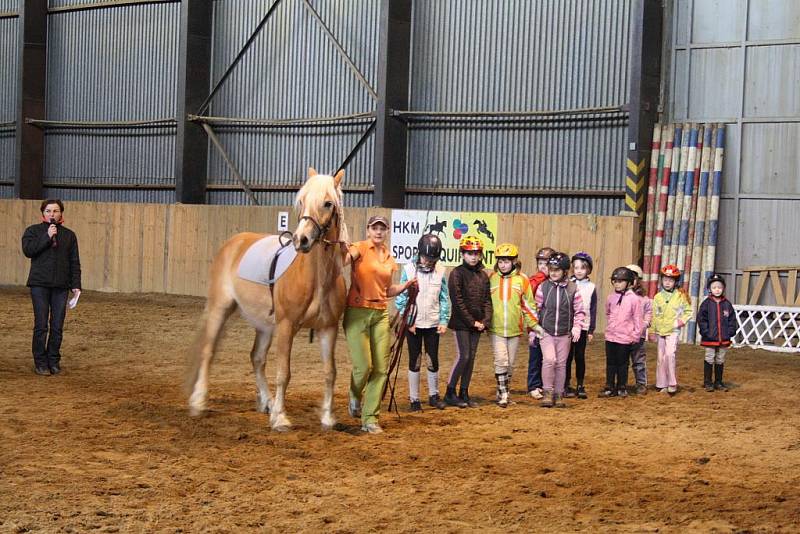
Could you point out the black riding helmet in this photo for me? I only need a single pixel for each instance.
(624, 274)
(429, 246)
(559, 260)
(715, 278)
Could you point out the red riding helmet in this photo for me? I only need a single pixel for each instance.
(671, 271)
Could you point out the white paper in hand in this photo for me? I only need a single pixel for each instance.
(74, 301)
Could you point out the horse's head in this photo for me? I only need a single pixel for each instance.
(319, 207)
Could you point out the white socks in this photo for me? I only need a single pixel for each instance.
(413, 385)
(433, 383)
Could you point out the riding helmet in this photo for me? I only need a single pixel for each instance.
(544, 253)
(636, 270)
(715, 278)
(671, 271)
(559, 260)
(430, 246)
(470, 243)
(584, 257)
(506, 250)
(624, 274)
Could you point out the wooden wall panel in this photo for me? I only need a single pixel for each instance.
(168, 248)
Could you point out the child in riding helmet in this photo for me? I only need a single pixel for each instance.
(639, 354)
(581, 269)
(717, 322)
(534, 349)
(471, 314)
(433, 312)
(671, 312)
(623, 328)
(562, 317)
(513, 310)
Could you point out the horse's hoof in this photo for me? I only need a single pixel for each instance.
(281, 423)
(328, 422)
(262, 407)
(196, 411)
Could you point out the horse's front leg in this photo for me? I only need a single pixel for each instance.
(277, 417)
(327, 341)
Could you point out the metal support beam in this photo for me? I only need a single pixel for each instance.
(645, 78)
(194, 78)
(32, 92)
(391, 134)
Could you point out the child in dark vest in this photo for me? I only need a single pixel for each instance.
(534, 349)
(561, 315)
(471, 315)
(717, 322)
(582, 265)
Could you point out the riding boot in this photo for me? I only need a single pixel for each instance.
(451, 399)
(502, 389)
(718, 383)
(464, 396)
(707, 384)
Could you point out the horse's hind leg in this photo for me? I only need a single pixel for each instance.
(258, 357)
(327, 341)
(203, 352)
(277, 416)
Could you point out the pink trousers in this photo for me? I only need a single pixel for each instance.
(555, 351)
(665, 365)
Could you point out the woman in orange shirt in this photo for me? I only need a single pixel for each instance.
(366, 321)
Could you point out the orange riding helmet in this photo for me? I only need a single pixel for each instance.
(671, 271)
(470, 242)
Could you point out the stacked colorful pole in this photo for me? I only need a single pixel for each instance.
(669, 216)
(661, 206)
(686, 203)
(710, 251)
(678, 203)
(695, 271)
(687, 266)
(655, 158)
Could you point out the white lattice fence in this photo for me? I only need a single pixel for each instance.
(768, 327)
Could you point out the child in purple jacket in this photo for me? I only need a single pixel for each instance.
(623, 328)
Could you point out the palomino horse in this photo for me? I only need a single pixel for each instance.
(310, 294)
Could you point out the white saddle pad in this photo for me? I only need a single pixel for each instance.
(256, 262)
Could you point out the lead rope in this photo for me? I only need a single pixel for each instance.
(400, 325)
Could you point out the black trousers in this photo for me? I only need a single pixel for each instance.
(466, 349)
(430, 338)
(617, 356)
(49, 309)
(578, 353)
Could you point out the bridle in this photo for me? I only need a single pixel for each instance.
(322, 229)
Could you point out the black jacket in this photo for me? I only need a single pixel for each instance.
(470, 295)
(717, 322)
(58, 266)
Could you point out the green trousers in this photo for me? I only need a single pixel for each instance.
(368, 338)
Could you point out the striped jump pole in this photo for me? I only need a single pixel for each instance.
(695, 272)
(686, 205)
(678, 203)
(687, 266)
(652, 186)
(669, 217)
(661, 207)
(710, 252)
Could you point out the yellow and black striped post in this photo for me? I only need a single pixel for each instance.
(635, 186)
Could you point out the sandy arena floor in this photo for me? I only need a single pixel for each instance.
(109, 446)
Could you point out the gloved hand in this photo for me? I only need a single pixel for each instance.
(576, 334)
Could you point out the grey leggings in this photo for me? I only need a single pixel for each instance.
(466, 348)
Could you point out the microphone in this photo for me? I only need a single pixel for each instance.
(53, 239)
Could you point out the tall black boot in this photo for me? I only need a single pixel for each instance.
(707, 368)
(718, 383)
(451, 399)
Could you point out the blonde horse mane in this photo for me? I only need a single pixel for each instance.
(315, 191)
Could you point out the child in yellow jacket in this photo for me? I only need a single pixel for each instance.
(513, 313)
(671, 312)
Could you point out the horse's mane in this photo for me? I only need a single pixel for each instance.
(314, 192)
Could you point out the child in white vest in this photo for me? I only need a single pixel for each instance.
(433, 313)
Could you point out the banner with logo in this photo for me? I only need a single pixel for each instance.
(450, 226)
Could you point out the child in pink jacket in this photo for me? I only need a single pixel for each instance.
(623, 330)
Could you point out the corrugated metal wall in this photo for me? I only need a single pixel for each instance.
(517, 55)
(9, 65)
(738, 62)
(112, 64)
(292, 70)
